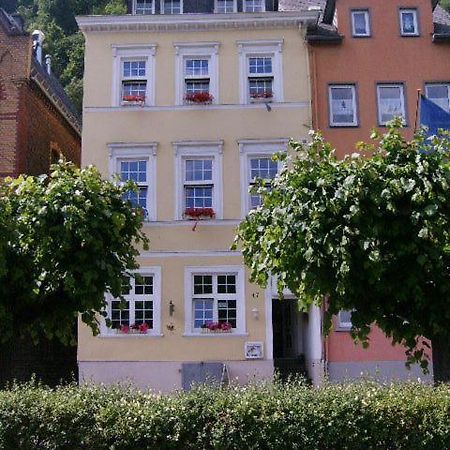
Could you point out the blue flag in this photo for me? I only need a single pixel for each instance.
(433, 116)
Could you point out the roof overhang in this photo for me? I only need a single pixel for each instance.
(197, 22)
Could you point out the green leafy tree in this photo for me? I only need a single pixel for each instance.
(367, 234)
(65, 239)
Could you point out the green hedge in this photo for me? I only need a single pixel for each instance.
(271, 416)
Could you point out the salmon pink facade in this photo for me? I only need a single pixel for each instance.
(369, 59)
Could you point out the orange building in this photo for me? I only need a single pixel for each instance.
(368, 58)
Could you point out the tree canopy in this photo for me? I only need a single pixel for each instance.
(370, 235)
(65, 239)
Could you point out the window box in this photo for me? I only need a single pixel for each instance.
(133, 100)
(261, 97)
(199, 98)
(142, 328)
(199, 213)
(216, 327)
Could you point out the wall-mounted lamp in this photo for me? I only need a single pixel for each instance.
(171, 308)
(255, 313)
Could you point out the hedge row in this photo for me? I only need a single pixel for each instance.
(271, 416)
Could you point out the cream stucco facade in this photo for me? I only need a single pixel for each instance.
(164, 132)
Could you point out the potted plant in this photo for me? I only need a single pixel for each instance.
(261, 97)
(199, 213)
(133, 100)
(141, 328)
(217, 327)
(199, 98)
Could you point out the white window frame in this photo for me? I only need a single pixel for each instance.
(189, 273)
(162, 7)
(342, 325)
(122, 53)
(134, 7)
(354, 123)
(155, 272)
(402, 100)
(263, 7)
(199, 149)
(437, 84)
(263, 48)
(125, 151)
(216, 7)
(416, 21)
(366, 19)
(205, 50)
(252, 148)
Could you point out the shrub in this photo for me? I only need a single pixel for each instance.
(269, 416)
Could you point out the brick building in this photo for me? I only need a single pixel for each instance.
(38, 124)
(37, 121)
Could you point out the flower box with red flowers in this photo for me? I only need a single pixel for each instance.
(199, 213)
(217, 327)
(141, 328)
(133, 99)
(261, 97)
(199, 98)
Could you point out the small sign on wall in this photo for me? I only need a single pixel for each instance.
(254, 350)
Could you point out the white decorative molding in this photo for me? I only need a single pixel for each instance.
(190, 254)
(197, 22)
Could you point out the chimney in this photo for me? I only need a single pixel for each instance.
(48, 63)
(38, 39)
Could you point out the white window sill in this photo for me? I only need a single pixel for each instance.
(129, 336)
(215, 335)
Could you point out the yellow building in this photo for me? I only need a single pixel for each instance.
(192, 106)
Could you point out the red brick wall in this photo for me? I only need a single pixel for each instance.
(30, 126)
(43, 130)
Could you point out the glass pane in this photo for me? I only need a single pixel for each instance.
(198, 196)
(144, 313)
(225, 6)
(260, 65)
(144, 7)
(253, 5)
(342, 105)
(391, 104)
(203, 312)
(134, 90)
(227, 312)
(226, 284)
(264, 168)
(120, 313)
(134, 68)
(440, 95)
(172, 7)
(408, 22)
(194, 86)
(360, 23)
(196, 67)
(198, 170)
(143, 285)
(137, 199)
(133, 170)
(345, 317)
(203, 284)
(260, 87)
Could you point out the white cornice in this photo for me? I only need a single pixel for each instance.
(196, 22)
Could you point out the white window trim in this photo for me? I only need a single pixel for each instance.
(199, 149)
(134, 6)
(118, 151)
(190, 271)
(251, 148)
(330, 105)
(367, 20)
(155, 272)
(437, 84)
(124, 52)
(416, 21)
(216, 7)
(208, 50)
(161, 7)
(263, 9)
(272, 48)
(402, 99)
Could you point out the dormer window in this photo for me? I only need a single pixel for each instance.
(408, 22)
(144, 7)
(171, 6)
(253, 6)
(360, 23)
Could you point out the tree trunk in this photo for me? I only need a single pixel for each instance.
(441, 359)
